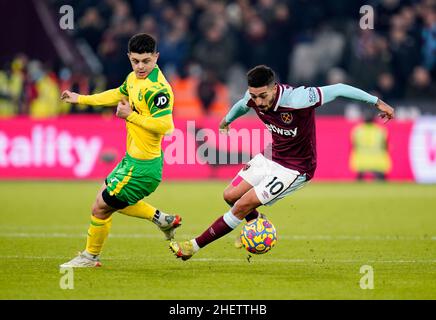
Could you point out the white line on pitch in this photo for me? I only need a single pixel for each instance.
(157, 235)
(253, 260)
(318, 261)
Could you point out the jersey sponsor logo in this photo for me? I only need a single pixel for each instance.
(283, 132)
(161, 100)
(286, 117)
(140, 95)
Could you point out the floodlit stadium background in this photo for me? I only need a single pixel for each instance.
(205, 49)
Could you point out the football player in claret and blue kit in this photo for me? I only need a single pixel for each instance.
(289, 114)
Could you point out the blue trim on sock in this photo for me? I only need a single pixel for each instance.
(231, 220)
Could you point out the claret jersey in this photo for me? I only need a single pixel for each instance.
(291, 121)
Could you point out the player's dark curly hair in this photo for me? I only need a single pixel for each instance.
(260, 76)
(142, 43)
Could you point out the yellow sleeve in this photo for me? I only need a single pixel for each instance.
(160, 125)
(108, 98)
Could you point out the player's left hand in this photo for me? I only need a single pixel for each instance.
(123, 109)
(387, 112)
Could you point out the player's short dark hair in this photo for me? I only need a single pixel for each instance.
(260, 76)
(142, 43)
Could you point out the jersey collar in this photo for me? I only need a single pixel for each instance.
(278, 96)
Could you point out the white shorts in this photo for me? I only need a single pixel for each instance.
(270, 180)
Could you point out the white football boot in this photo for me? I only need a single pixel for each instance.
(83, 260)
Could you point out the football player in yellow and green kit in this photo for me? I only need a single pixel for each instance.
(145, 100)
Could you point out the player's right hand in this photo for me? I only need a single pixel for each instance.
(224, 127)
(69, 96)
(387, 112)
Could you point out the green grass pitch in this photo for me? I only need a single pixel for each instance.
(326, 233)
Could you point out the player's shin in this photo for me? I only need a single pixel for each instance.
(219, 228)
(141, 209)
(98, 232)
(167, 223)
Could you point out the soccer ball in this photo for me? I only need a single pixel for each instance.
(258, 236)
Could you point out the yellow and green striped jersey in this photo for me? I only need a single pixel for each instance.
(151, 100)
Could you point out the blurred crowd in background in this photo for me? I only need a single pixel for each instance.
(207, 46)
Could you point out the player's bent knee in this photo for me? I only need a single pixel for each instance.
(100, 209)
(101, 213)
(231, 196)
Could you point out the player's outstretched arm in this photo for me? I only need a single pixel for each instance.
(330, 93)
(239, 109)
(105, 98)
